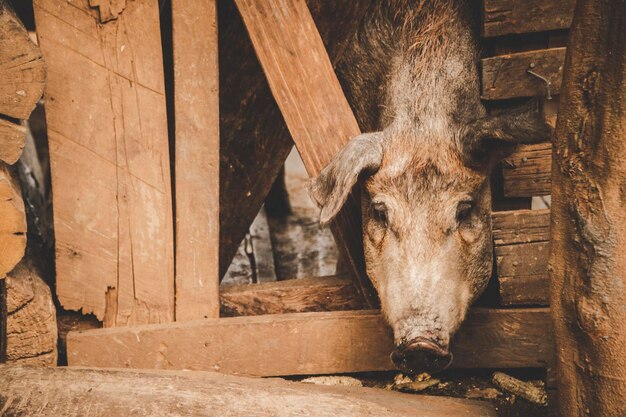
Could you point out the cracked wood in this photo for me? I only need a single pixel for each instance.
(197, 158)
(12, 221)
(506, 76)
(106, 119)
(64, 392)
(502, 17)
(23, 74)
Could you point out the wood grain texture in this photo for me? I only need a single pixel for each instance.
(106, 119)
(23, 75)
(12, 221)
(254, 138)
(22, 68)
(308, 343)
(197, 158)
(588, 230)
(506, 76)
(527, 172)
(312, 103)
(123, 393)
(502, 17)
(291, 296)
(522, 247)
(520, 226)
(31, 319)
(12, 141)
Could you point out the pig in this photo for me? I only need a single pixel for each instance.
(410, 75)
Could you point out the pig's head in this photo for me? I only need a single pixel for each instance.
(426, 210)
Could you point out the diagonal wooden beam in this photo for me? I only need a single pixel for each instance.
(312, 103)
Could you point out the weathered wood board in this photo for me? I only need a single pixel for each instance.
(507, 76)
(521, 247)
(12, 221)
(197, 158)
(106, 118)
(64, 392)
(308, 343)
(312, 103)
(22, 67)
(503, 17)
(528, 172)
(292, 296)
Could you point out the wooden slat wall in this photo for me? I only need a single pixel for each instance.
(311, 100)
(506, 76)
(308, 343)
(106, 119)
(528, 171)
(521, 247)
(197, 158)
(503, 17)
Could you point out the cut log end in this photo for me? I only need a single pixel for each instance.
(31, 319)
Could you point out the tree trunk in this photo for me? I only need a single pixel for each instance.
(61, 392)
(588, 259)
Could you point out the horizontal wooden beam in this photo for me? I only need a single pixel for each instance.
(528, 172)
(336, 293)
(503, 17)
(507, 76)
(64, 392)
(308, 343)
(521, 247)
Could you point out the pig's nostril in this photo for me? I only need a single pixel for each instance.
(421, 355)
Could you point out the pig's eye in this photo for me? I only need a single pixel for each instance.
(379, 213)
(464, 211)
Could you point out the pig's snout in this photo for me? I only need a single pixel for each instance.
(421, 355)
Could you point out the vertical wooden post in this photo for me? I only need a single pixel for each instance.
(311, 100)
(197, 160)
(588, 258)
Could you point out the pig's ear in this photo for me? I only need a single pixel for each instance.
(330, 189)
(493, 137)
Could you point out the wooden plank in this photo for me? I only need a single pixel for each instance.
(12, 221)
(197, 158)
(308, 343)
(528, 171)
(23, 74)
(521, 247)
(254, 137)
(312, 102)
(107, 131)
(61, 392)
(520, 226)
(503, 17)
(22, 69)
(507, 76)
(291, 296)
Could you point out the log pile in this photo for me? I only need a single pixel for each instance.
(27, 325)
(31, 319)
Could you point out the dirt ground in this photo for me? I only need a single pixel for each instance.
(473, 384)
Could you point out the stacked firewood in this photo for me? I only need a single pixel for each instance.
(27, 313)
